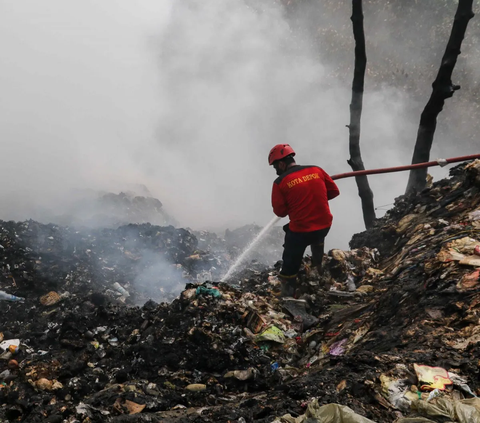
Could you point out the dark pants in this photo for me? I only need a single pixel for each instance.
(295, 246)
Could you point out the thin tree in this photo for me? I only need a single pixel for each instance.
(443, 88)
(355, 161)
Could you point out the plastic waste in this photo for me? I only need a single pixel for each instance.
(431, 378)
(9, 347)
(444, 409)
(461, 383)
(474, 215)
(271, 334)
(121, 289)
(464, 245)
(113, 342)
(202, 290)
(4, 296)
(338, 348)
(6, 345)
(434, 394)
(330, 413)
(241, 374)
(351, 283)
(397, 392)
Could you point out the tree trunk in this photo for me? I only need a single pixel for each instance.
(442, 89)
(355, 161)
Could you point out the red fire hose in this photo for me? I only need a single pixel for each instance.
(438, 162)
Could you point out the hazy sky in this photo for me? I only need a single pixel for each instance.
(186, 97)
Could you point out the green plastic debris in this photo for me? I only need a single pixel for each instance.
(272, 334)
(330, 413)
(169, 385)
(201, 290)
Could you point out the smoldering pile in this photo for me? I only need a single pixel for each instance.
(148, 261)
(389, 333)
(38, 257)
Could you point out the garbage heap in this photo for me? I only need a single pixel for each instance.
(150, 262)
(389, 333)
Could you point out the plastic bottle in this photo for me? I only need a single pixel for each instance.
(4, 296)
(351, 283)
(434, 394)
(121, 289)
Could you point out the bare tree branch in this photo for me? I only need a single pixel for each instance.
(355, 161)
(443, 88)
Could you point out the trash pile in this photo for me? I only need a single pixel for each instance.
(142, 258)
(389, 333)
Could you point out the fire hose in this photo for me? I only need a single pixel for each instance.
(438, 162)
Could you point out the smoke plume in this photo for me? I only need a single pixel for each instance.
(187, 98)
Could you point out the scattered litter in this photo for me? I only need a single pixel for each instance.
(10, 297)
(431, 378)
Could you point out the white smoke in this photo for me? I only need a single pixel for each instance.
(187, 98)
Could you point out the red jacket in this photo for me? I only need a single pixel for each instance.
(302, 193)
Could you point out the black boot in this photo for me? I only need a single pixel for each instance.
(288, 288)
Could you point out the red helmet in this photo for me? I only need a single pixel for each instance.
(280, 151)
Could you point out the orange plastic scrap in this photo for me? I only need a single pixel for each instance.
(431, 378)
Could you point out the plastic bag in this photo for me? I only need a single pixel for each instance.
(330, 413)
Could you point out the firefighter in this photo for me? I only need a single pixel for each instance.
(302, 193)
